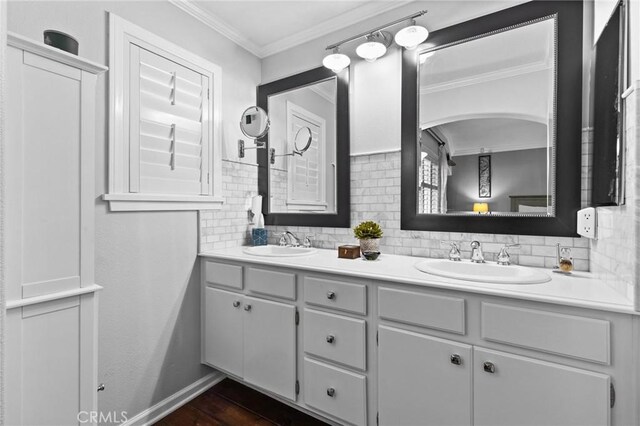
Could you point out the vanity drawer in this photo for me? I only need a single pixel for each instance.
(335, 391)
(335, 337)
(572, 336)
(272, 283)
(340, 295)
(223, 274)
(427, 310)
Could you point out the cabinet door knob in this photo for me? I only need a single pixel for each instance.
(456, 359)
(489, 367)
(236, 303)
(331, 392)
(331, 295)
(247, 308)
(331, 338)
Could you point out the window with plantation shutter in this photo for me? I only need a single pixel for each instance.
(164, 142)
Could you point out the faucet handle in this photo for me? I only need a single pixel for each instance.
(503, 256)
(454, 253)
(307, 241)
(283, 240)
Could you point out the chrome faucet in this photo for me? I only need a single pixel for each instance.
(503, 256)
(476, 252)
(288, 238)
(454, 253)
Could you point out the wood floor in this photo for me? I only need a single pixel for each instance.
(230, 403)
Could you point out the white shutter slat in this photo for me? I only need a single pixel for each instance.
(155, 108)
(157, 170)
(158, 130)
(164, 144)
(163, 158)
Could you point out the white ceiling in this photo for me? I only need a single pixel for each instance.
(267, 27)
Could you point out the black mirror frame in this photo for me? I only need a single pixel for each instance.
(569, 15)
(342, 217)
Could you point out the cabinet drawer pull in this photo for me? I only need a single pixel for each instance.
(331, 295)
(331, 338)
(456, 359)
(247, 308)
(236, 303)
(489, 367)
(331, 392)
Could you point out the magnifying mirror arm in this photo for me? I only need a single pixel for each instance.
(242, 148)
(273, 155)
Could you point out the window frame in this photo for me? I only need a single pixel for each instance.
(121, 35)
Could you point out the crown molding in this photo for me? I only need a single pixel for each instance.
(190, 7)
(359, 14)
(345, 20)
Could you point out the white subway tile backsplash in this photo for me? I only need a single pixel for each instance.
(375, 189)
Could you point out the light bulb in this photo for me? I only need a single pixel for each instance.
(336, 61)
(371, 50)
(410, 37)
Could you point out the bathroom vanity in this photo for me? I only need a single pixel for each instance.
(380, 342)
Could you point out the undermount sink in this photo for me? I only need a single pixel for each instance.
(279, 251)
(489, 273)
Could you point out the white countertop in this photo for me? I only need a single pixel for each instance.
(579, 289)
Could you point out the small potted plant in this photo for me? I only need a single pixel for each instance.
(369, 234)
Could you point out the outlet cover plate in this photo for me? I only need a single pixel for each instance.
(587, 222)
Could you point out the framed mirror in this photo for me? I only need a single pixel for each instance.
(303, 174)
(491, 124)
(608, 183)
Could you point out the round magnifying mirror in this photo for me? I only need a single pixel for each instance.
(302, 141)
(254, 122)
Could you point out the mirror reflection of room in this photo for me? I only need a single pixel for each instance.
(486, 136)
(302, 144)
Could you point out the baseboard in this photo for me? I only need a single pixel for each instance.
(175, 401)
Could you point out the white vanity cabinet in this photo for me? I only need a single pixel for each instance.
(248, 337)
(372, 352)
(444, 382)
(514, 390)
(423, 380)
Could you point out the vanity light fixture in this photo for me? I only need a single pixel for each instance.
(410, 37)
(377, 41)
(375, 46)
(336, 61)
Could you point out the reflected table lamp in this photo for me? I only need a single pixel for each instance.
(480, 207)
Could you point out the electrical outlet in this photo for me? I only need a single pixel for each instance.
(587, 222)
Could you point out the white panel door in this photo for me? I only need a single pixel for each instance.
(43, 175)
(223, 330)
(43, 356)
(523, 391)
(420, 381)
(270, 346)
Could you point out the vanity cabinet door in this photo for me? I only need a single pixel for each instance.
(512, 390)
(270, 346)
(422, 380)
(223, 342)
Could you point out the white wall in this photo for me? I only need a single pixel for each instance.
(149, 321)
(3, 44)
